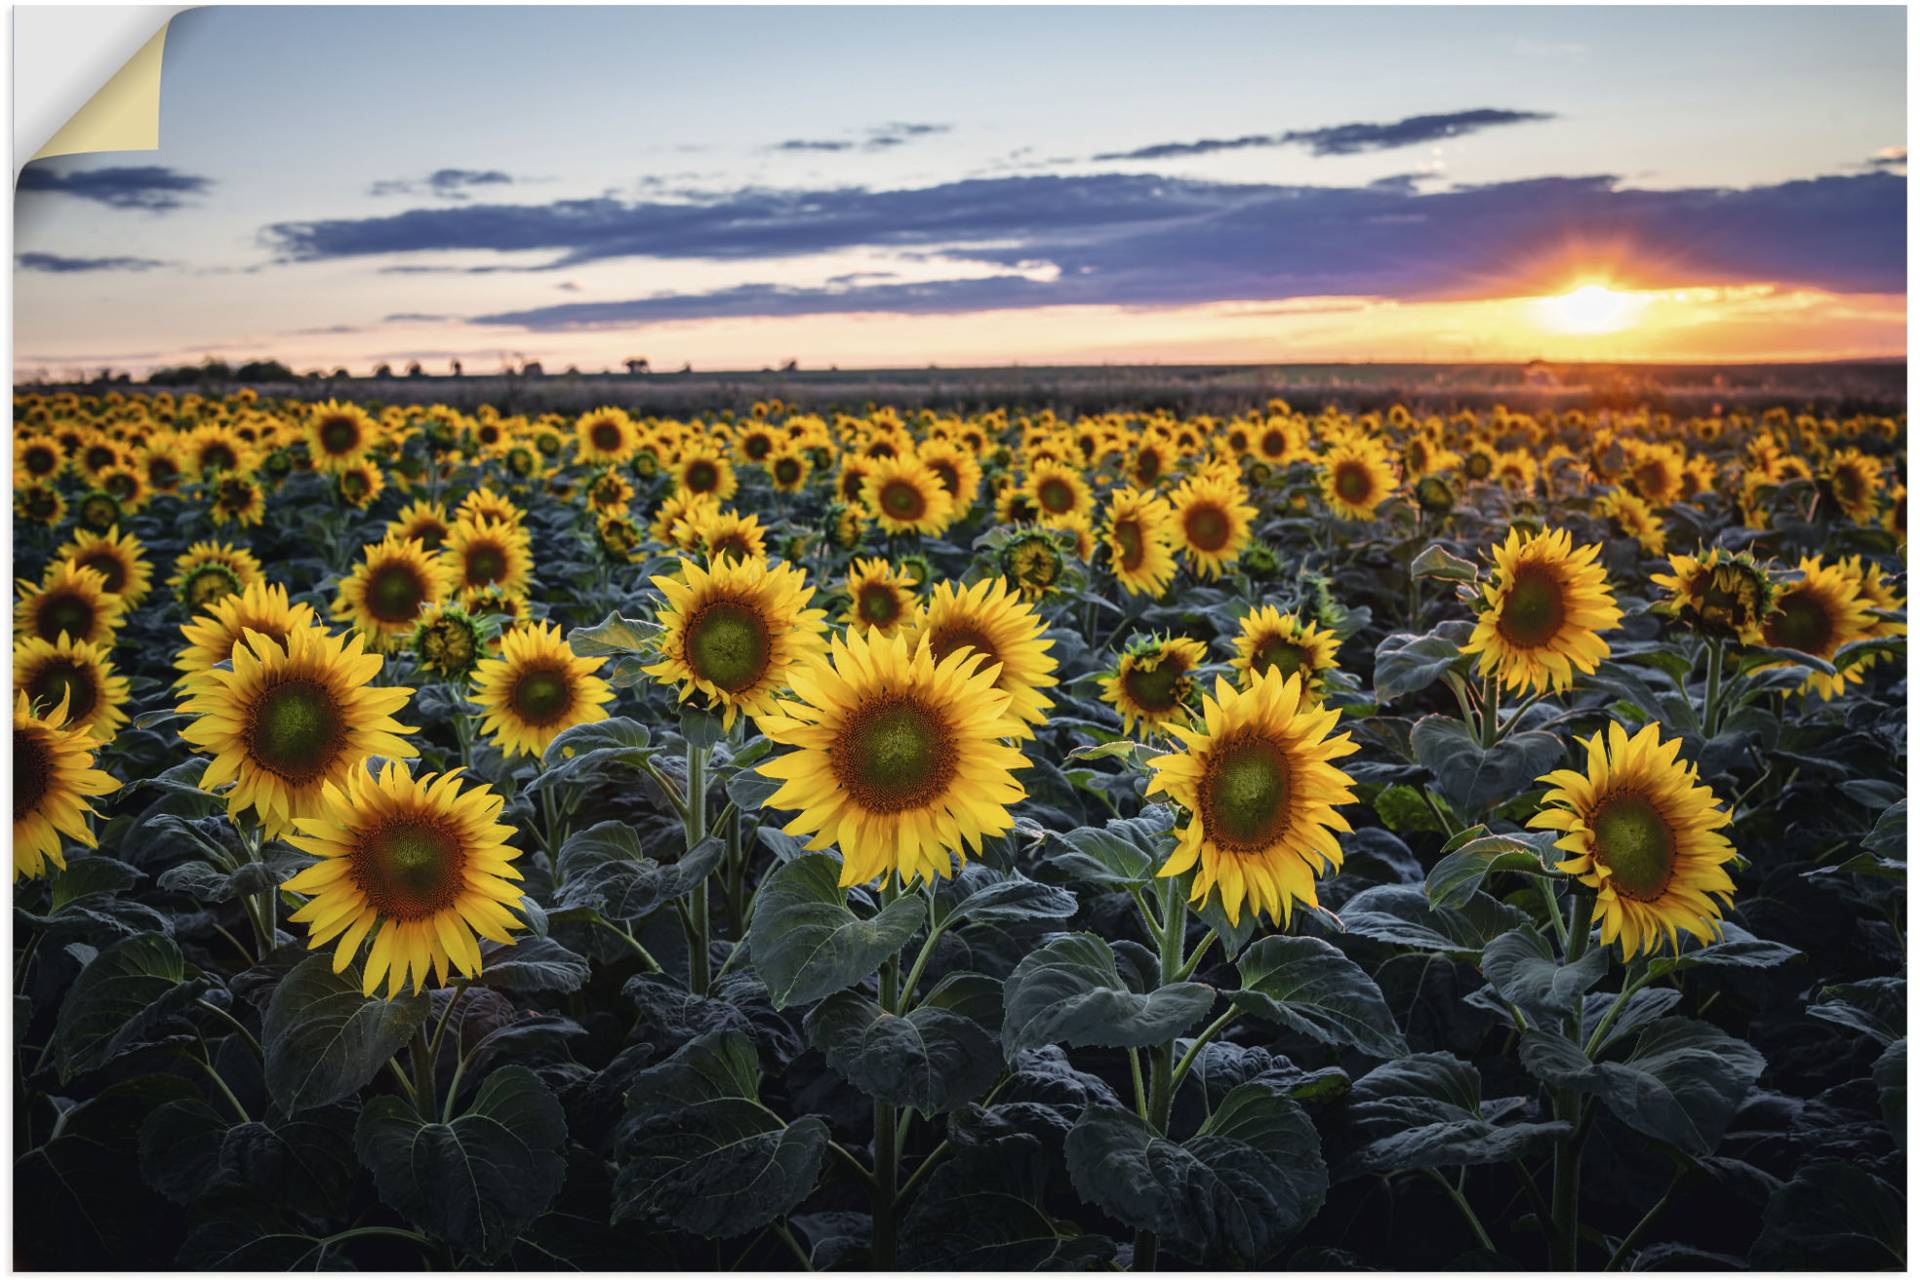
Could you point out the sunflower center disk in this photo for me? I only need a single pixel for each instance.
(541, 695)
(64, 611)
(69, 680)
(485, 564)
(108, 566)
(395, 594)
(1157, 688)
(1207, 528)
(1244, 795)
(950, 639)
(1634, 842)
(1282, 656)
(32, 772)
(409, 869)
(606, 437)
(893, 755)
(878, 605)
(728, 646)
(338, 435)
(1056, 496)
(295, 730)
(702, 476)
(902, 501)
(1132, 551)
(1352, 482)
(1801, 624)
(1534, 608)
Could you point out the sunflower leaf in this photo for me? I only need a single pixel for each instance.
(1424, 1111)
(613, 636)
(805, 941)
(1405, 664)
(478, 1181)
(1737, 948)
(324, 1040)
(605, 868)
(984, 1208)
(1070, 992)
(1523, 968)
(1459, 875)
(1120, 854)
(132, 987)
(1474, 778)
(1833, 1216)
(1307, 986)
(930, 1059)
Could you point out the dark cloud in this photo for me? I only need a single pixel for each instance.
(59, 264)
(415, 317)
(1343, 139)
(1138, 241)
(449, 184)
(878, 138)
(153, 187)
(1891, 158)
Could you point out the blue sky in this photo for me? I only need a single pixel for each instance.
(871, 186)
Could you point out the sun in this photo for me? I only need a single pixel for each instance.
(1589, 309)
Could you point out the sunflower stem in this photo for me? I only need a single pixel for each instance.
(1564, 1243)
(886, 1136)
(1490, 714)
(699, 962)
(238, 1025)
(1459, 1198)
(1172, 939)
(1640, 1228)
(424, 1094)
(1716, 669)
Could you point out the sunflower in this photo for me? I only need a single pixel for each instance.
(1817, 614)
(422, 860)
(53, 775)
(212, 449)
(206, 571)
(703, 471)
(906, 496)
(68, 600)
(735, 631)
(1853, 478)
(620, 537)
(392, 582)
(97, 511)
(609, 493)
(423, 522)
(1720, 594)
(488, 553)
(605, 437)
(536, 689)
(1543, 612)
(1644, 833)
(448, 642)
(880, 598)
(1139, 540)
(37, 459)
(899, 757)
(263, 607)
(233, 497)
(359, 483)
(75, 674)
(724, 534)
(284, 719)
(118, 558)
(126, 487)
(1153, 683)
(484, 503)
(337, 434)
(1356, 477)
(1629, 516)
(1654, 473)
(163, 465)
(991, 619)
(39, 504)
(1258, 782)
(1269, 640)
(958, 470)
(1213, 522)
(1058, 489)
(789, 468)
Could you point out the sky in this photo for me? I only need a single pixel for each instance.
(873, 187)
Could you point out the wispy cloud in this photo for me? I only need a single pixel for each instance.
(1889, 158)
(153, 187)
(878, 138)
(1343, 139)
(60, 264)
(448, 184)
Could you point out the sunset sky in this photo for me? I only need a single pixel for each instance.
(871, 187)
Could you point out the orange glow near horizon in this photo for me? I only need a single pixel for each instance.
(1590, 309)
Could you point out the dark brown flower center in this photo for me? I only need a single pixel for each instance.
(65, 610)
(108, 565)
(702, 477)
(879, 604)
(1056, 495)
(893, 754)
(32, 770)
(486, 563)
(1535, 607)
(1159, 688)
(541, 695)
(1245, 793)
(1207, 526)
(605, 436)
(339, 435)
(395, 592)
(409, 867)
(295, 729)
(1803, 622)
(952, 637)
(65, 678)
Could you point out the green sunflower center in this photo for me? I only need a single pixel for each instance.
(449, 644)
(728, 645)
(1278, 654)
(394, 593)
(902, 501)
(1133, 548)
(894, 754)
(1803, 623)
(1534, 608)
(339, 435)
(67, 611)
(296, 729)
(1036, 563)
(409, 868)
(1633, 841)
(354, 485)
(208, 583)
(99, 512)
(1056, 495)
(32, 771)
(879, 604)
(64, 678)
(1353, 482)
(541, 695)
(1245, 794)
(1479, 466)
(1158, 688)
(1207, 527)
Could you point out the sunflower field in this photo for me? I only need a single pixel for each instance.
(1000, 840)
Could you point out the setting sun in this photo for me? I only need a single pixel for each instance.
(1589, 309)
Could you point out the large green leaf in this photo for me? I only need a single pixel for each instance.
(1736, 949)
(480, 1180)
(324, 1040)
(534, 964)
(1833, 1216)
(1234, 1192)
(1122, 853)
(131, 988)
(1473, 778)
(1400, 915)
(1306, 985)
(1524, 969)
(1405, 663)
(1465, 867)
(1890, 1077)
(1424, 1111)
(699, 1153)
(981, 895)
(930, 1059)
(604, 869)
(984, 1208)
(1070, 992)
(1876, 1007)
(807, 943)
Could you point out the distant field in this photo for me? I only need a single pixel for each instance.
(1863, 385)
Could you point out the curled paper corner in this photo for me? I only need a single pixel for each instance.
(124, 113)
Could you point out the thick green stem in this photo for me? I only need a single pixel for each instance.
(698, 960)
(1490, 713)
(1564, 1243)
(1172, 940)
(425, 1097)
(886, 1140)
(1716, 666)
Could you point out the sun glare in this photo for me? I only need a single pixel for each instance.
(1589, 309)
